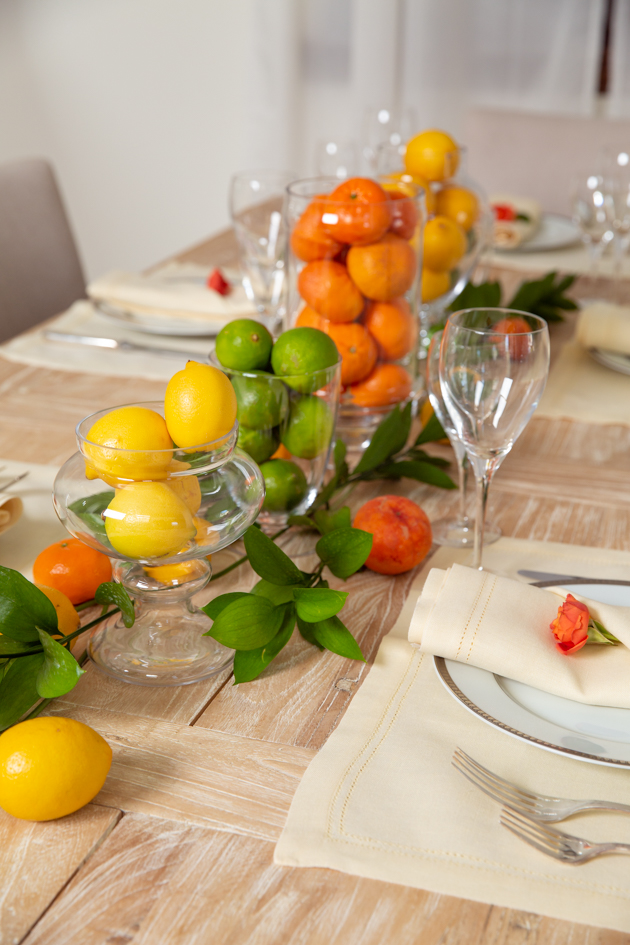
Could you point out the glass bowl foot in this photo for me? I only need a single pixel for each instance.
(460, 533)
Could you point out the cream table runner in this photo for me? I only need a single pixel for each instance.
(381, 798)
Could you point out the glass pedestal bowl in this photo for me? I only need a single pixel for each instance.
(158, 515)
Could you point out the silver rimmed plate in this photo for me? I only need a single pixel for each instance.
(593, 733)
(611, 359)
(555, 232)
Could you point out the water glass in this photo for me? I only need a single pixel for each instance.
(386, 126)
(338, 159)
(493, 369)
(592, 210)
(256, 208)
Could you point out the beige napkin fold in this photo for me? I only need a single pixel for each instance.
(174, 290)
(502, 625)
(11, 509)
(604, 325)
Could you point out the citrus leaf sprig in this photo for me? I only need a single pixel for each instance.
(259, 624)
(544, 297)
(35, 663)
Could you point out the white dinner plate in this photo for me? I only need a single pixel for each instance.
(611, 359)
(555, 232)
(153, 324)
(598, 734)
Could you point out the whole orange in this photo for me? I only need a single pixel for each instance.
(383, 270)
(309, 239)
(458, 204)
(432, 154)
(392, 326)
(72, 568)
(326, 287)
(357, 212)
(401, 533)
(356, 347)
(308, 318)
(434, 284)
(444, 244)
(387, 384)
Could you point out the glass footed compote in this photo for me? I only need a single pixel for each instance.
(159, 515)
(456, 531)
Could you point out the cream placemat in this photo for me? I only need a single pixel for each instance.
(580, 389)
(381, 798)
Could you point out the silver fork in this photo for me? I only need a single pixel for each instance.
(553, 842)
(537, 806)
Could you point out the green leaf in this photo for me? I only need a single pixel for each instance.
(306, 630)
(485, 295)
(318, 603)
(545, 297)
(432, 431)
(329, 521)
(276, 593)
(110, 592)
(248, 664)
(389, 437)
(59, 673)
(90, 510)
(421, 472)
(214, 607)
(335, 636)
(18, 691)
(269, 561)
(301, 520)
(23, 608)
(247, 623)
(7, 645)
(339, 455)
(345, 550)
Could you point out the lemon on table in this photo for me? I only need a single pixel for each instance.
(285, 485)
(136, 429)
(433, 155)
(444, 244)
(50, 767)
(303, 351)
(199, 405)
(244, 345)
(309, 428)
(147, 520)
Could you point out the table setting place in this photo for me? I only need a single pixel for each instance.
(332, 409)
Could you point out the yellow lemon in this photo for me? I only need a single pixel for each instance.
(141, 431)
(433, 155)
(186, 487)
(68, 619)
(200, 405)
(50, 767)
(206, 534)
(434, 284)
(147, 520)
(405, 178)
(444, 243)
(458, 204)
(175, 574)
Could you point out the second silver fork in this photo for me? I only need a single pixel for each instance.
(539, 807)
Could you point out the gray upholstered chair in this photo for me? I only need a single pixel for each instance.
(40, 270)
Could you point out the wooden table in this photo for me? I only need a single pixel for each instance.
(178, 846)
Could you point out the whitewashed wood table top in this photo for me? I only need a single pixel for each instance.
(178, 846)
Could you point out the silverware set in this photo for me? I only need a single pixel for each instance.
(528, 815)
(11, 482)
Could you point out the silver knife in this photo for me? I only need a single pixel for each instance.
(114, 343)
(568, 578)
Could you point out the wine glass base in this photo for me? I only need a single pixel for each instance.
(165, 647)
(457, 533)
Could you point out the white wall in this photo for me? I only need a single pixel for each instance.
(142, 105)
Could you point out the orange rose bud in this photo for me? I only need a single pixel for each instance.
(570, 628)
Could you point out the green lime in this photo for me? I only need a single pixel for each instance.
(261, 401)
(302, 354)
(285, 485)
(260, 444)
(309, 427)
(244, 345)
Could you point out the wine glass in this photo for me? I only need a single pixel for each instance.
(386, 125)
(256, 208)
(456, 531)
(336, 159)
(493, 369)
(592, 210)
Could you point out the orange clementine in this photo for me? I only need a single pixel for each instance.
(357, 349)
(392, 326)
(434, 284)
(72, 568)
(404, 215)
(432, 154)
(281, 453)
(326, 287)
(383, 270)
(458, 204)
(309, 239)
(516, 325)
(444, 244)
(308, 318)
(387, 384)
(429, 195)
(401, 533)
(357, 212)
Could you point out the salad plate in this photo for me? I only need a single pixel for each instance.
(555, 232)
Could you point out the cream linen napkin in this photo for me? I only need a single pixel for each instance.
(580, 389)
(604, 325)
(11, 508)
(502, 625)
(176, 289)
(381, 798)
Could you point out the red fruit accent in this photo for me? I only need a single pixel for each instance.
(401, 533)
(217, 282)
(504, 211)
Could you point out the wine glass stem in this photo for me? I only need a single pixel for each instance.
(483, 483)
(462, 470)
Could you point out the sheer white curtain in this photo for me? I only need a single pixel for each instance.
(619, 96)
